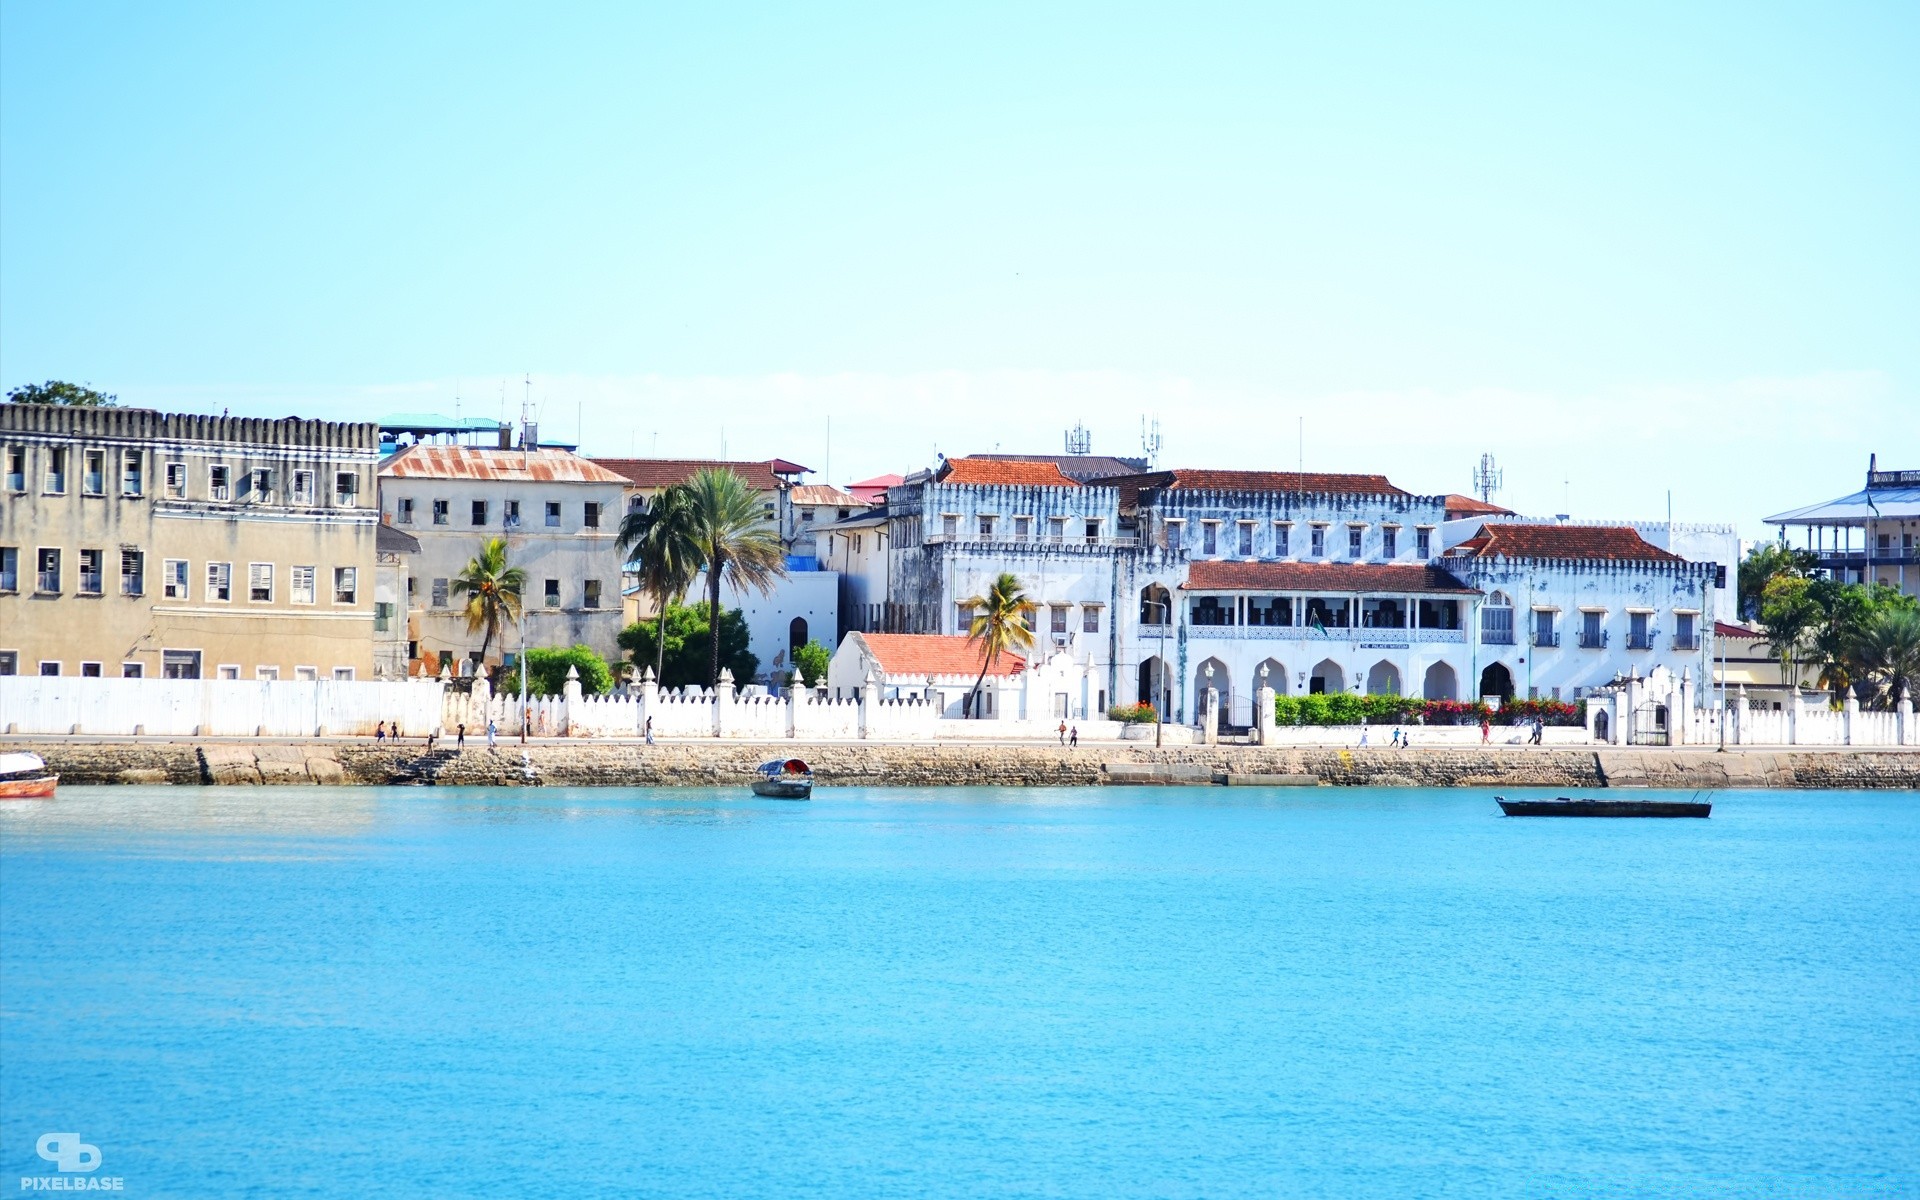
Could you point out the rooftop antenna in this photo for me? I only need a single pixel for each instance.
(1150, 440)
(1300, 446)
(1079, 439)
(1488, 478)
(526, 428)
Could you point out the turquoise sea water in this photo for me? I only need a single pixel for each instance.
(1094, 992)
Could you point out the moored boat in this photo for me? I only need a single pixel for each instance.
(1564, 806)
(784, 779)
(25, 777)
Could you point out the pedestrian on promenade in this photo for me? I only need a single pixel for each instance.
(380, 732)
(1063, 733)
(460, 740)
(493, 731)
(431, 735)
(1363, 732)
(1073, 736)
(649, 731)
(1486, 730)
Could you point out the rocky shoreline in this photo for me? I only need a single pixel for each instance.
(556, 764)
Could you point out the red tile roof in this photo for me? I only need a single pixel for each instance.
(660, 473)
(987, 470)
(1307, 483)
(1402, 578)
(934, 654)
(468, 462)
(1467, 506)
(1723, 629)
(1614, 543)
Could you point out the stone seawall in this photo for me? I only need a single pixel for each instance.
(870, 764)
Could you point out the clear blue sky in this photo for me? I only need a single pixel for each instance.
(1624, 248)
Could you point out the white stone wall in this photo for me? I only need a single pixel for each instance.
(34, 704)
(810, 596)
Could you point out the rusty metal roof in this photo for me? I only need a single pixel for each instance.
(467, 462)
(665, 472)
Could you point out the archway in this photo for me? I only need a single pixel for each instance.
(796, 636)
(1383, 679)
(1220, 681)
(1153, 687)
(1496, 680)
(1442, 683)
(1600, 724)
(1326, 676)
(1276, 676)
(1156, 605)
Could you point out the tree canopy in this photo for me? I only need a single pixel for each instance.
(811, 661)
(547, 673)
(688, 642)
(1860, 637)
(59, 391)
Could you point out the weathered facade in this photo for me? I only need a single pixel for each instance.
(144, 544)
(560, 516)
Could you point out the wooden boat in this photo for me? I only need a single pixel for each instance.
(25, 777)
(1562, 806)
(784, 779)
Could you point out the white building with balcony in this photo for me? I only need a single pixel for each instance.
(1872, 535)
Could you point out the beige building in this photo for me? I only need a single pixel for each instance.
(560, 516)
(146, 544)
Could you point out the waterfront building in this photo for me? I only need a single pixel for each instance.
(855, 551)
(941, 668)
(1565, 608)
(560, 516)
(1872, 535)
(811, 506)
(143, 544)
(396, 626)
(1167, 584)
(874, 491)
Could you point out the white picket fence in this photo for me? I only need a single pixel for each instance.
(1814, 724)
(68, 704)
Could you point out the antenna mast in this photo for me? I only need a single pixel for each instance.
(1488, 478)
(1079, 439)
(1150, 440)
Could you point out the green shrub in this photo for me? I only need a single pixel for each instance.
(1133, 714)
(547, 673)
(686, 661)
(811, 661)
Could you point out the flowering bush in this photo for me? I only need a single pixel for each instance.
(1132, 714)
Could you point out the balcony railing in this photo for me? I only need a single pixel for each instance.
(1547, 640)
(1686, 642)
(1892, 556)
(1497, 637)
(1642, 641)
(1307, 633)
(1117, 543)
(1595, 641)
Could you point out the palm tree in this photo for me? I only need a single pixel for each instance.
(1888, 648)
(734, 543)
(1002, 620)
(492, 589)
(659, 540)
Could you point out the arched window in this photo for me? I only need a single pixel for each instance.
(1496, 620)
(796, 636)
(1156, 605)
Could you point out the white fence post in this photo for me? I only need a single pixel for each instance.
(1903, 719)
(723, 703)
(1849, 717)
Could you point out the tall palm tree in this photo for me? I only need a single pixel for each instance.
(735, 542)
(1002, 620)
(1888, 648)
(661, 548)
(492, 589)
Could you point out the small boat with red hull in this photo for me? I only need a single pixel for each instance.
(1564, 806)
(784, 779)
(25, 777)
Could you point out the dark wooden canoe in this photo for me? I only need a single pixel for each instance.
(1565, 807)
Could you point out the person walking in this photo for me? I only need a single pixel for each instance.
(380, 733)
(1486, 730)
(1073, 737)
(1063, 733)
(1363, 733)
(460, 739)
(648, 731)
(493, 731)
